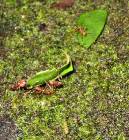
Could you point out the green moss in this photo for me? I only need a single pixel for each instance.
(93, 104)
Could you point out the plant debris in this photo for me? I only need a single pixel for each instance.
(42, 27)
(63, 4)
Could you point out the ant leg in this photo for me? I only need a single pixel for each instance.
(49, 86)
(59, 78)
(26, 93)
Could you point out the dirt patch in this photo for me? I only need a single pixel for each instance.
(8, 129)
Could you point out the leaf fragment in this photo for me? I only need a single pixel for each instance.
(93, 22)
(45, 76)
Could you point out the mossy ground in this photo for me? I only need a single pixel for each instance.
(94, 102)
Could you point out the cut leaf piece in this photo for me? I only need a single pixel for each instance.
(93, 22)
(45, 76)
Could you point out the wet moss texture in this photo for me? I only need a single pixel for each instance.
(94, 102)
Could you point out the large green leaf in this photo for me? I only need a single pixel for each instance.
(93, 23)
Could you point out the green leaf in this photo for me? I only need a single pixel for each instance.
(93, 23)
(44, 76)
(67, 70)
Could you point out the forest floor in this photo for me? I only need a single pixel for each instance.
(93, 104)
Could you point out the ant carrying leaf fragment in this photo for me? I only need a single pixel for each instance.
(45, 81)
(94, 22)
